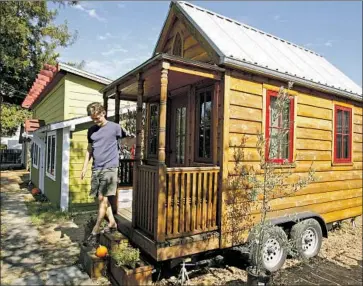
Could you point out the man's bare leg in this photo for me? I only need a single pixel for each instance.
(102, 209)
(109, 213)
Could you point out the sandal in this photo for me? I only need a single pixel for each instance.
(109, 229)
(93, 239)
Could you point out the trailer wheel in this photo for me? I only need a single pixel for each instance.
(273, 251)
(307, 237)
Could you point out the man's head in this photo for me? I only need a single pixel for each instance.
(96, 111)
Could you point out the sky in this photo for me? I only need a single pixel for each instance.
(114, 37)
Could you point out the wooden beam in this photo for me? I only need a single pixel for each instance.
(160, 195)
(215, 122)
(128, 83)
(110, 92)
(105, 104)
(223, 175)
(117, 106)
(135, 198)
(196, 71)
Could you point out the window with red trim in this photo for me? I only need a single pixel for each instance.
(342, 134)
(279, 148)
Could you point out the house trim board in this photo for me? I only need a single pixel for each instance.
(64, 200)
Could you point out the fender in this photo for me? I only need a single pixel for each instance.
(296, 217)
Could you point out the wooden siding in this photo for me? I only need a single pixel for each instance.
(79, 189)
(337, 193)
(51, 108)
(79, 92)
(191, 48)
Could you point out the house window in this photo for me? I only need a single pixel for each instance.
(178, 46)
(51, 154)
(343, 134)
(279, 130)
(35, 155)
(204, 121)
(153, 130)
(180, 134)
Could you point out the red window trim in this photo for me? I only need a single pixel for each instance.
(267, 128)
(349, 159)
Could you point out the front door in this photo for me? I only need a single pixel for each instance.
(178, 131)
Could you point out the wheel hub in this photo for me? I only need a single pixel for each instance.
(271, 253)
(309, 241)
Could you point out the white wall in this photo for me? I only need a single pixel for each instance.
(12, 142)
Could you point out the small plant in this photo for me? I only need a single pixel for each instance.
(125, 255)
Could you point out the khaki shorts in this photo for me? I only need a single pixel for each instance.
(104, 181)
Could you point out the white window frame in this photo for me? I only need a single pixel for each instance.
(50, 135)
(35, 159)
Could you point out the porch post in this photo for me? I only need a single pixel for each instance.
(160, 196)
(117, 106)
(215, 122)
(105, 103)
(140, 94)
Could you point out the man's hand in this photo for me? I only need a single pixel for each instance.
(83, 173)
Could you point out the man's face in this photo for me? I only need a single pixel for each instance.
(99, 119)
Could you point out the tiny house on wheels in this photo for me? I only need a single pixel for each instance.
(209, 82)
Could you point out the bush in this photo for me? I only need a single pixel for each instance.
(125, 255)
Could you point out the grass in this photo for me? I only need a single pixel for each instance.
(44, 212)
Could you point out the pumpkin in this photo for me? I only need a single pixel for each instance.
(35, 191)
(101, 251)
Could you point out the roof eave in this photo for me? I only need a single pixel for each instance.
(200, 30)
(227, 61)
(82, 73)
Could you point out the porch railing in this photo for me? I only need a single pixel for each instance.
(125, 172)
(192, 198)
(146, 190)
(10, 156)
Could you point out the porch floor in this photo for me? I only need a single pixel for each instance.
(125, 213)
(124, 219)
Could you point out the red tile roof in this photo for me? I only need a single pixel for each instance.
(44, 77)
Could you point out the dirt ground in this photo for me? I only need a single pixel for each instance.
(338, 263)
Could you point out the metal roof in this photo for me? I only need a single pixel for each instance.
(244, 45)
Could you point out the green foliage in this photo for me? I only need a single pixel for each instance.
(79, 65)
(11, 117)
(28, 39)
(125, 255)
(44, 212)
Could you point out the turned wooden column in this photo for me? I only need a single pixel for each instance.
(137, 163)
(117, 106)
(160, 196)
(105, 103)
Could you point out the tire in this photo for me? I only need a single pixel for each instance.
(307, 237)
(273, 252)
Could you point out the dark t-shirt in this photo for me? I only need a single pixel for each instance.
(104, 145)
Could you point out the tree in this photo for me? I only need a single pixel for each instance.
(28, 39)
(11, 117)
(79, 65)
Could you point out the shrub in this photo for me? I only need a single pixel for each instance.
(125, 255)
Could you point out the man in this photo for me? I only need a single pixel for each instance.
(103, 148)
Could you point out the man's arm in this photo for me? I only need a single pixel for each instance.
(87, 158)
